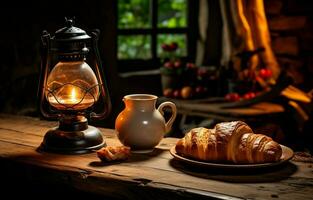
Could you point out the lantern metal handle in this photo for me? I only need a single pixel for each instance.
(44, 68)
(101, 79)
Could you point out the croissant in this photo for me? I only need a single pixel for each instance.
(113, 153)
(229, 142)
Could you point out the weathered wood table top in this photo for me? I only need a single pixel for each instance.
(215, 108)
(155, 175)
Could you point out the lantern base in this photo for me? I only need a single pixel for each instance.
(74, 138)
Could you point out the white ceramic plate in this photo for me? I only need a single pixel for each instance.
(287, 154)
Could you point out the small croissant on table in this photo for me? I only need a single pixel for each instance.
(114, 153)
(232, 142)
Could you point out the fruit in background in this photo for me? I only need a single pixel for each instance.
(202, 72)
(173, 46)
(249, 95)
(177, 64)
(190, 65)
(186, 92)
(176, 94)
(168, 65)
(199, 89)
(265, 73)
(232, 96)
(165, 47)
(168, 92)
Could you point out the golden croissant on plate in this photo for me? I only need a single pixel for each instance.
(229, 142)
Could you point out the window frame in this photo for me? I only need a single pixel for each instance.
(191, 32)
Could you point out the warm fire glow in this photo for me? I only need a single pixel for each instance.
(73, 96)
(72, 85)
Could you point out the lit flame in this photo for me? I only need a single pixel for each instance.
(73, 95)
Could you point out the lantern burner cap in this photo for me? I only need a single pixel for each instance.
(71, 43)
(70, 32)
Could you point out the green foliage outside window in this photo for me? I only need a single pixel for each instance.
(172, 14)
(134, 47)
(136, 14)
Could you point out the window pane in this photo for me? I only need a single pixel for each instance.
(134, 47)
(134, 14)
(172, 14)
(180, 39)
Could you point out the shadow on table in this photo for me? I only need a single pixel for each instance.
(256, 175)
(135, 157)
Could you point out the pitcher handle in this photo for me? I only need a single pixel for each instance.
(169, 123)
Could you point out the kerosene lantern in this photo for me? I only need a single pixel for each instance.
(71, 90)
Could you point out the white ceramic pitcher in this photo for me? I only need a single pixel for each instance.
(140, 125)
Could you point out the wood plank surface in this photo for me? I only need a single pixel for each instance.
(259, 109)
(155, 175)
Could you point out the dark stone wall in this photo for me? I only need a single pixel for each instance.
(291, 27)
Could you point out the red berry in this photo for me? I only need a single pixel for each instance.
(202, 72)
(262, 73)
(265, 73)
(227, 97)
(168, 65)
(246, 96)
(252, 94)
(165, 47)
(249, 95)
(190, 65)
(232, 97)
(168, 92)
(173, 46)
(269, 73)
(177, 64)
(176, 93)
(199, 89)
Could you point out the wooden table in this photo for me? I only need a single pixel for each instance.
(144, 176)
(225, 111)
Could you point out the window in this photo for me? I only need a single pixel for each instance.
(144, 25)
